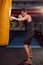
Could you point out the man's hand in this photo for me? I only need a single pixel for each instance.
(12, 18)
(19, 16)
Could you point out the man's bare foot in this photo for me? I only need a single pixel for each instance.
(29, 61)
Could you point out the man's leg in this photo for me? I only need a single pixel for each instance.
(27, 50)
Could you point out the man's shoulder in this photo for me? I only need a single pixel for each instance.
(28, 15)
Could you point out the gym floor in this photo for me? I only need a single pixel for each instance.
(11, 56)
(14, 54)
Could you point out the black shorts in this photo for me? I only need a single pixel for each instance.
(28, 38)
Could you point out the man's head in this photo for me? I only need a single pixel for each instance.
(23, 12)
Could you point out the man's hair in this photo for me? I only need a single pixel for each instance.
(23, 9)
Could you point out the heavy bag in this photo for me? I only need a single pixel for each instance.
(5, 10)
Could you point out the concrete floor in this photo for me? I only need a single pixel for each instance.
(10, 56)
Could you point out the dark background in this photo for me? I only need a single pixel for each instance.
(34, 8)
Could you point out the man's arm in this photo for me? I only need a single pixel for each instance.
(19, 16)
(20, 22)
(22, 19)
(19, 19)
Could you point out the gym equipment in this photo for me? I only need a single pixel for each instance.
(5, 11)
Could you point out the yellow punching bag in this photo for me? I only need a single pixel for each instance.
(0, 2)
(5, 10)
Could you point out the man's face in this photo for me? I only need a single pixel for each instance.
(23, 13)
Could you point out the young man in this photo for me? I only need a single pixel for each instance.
(26, 19)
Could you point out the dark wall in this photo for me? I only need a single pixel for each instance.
(34, 8)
